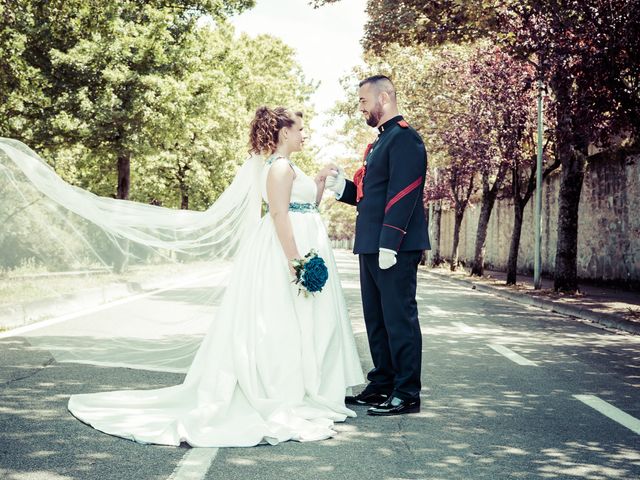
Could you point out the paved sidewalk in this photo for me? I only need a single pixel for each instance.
(611, 307)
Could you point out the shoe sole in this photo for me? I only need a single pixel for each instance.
(391, 414)
(363, 404)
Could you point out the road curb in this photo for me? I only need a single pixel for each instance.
(608, 320)
(21, 314)
(24, 314)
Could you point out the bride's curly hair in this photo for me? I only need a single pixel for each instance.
(266, 123)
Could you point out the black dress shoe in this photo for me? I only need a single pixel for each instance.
(395, 406)
(363, 398)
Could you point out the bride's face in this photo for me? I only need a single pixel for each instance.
(294, 135)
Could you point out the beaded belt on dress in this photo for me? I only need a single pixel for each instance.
(301, 207)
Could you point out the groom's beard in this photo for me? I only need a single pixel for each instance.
(374, 116)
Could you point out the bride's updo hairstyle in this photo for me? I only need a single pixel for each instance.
(266, 125)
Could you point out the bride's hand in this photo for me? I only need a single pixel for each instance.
(329, 169)
(292, 270)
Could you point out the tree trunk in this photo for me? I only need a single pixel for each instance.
(572, 150)
(124, 175)
(456, 237)
(436, 223)
(427, 217)
(489, 196)
(488, 200)
(566, 268)
(121, 255)
(481, 234)
(182, 184)
(512, 262)
(184, 199)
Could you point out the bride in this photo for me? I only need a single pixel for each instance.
(274, 365)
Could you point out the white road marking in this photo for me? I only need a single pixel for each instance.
(513, 356)
(16, 332)
(436, 310)
(464, 327)
(610, 411)
(195, 464)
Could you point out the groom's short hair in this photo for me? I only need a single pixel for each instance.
(382, 84)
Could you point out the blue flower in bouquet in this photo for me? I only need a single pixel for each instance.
(311, 273)
(315, 274)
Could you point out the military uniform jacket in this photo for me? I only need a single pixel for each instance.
(391, 210)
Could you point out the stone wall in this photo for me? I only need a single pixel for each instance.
(608, 229)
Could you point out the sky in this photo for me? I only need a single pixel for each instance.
(327, 45)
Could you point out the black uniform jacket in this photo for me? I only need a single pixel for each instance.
(391, 211)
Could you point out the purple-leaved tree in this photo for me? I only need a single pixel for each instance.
(586, 51)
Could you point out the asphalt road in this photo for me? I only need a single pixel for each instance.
(509, 392)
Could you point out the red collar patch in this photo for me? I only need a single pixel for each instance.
(403, 124)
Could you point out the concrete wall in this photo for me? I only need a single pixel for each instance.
(608, 230)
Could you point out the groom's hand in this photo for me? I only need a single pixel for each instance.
(386, 258)
(336, 181)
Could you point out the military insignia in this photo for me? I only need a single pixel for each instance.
(403, 124)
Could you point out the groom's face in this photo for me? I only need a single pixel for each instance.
(370, 104)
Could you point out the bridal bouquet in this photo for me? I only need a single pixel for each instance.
(311, 273)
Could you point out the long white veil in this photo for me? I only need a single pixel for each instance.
(113, 282)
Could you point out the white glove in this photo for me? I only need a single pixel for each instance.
(386, 258)
(336, 183)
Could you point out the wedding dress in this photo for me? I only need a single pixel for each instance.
(273, 366)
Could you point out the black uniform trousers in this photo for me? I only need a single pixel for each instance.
(391, 317)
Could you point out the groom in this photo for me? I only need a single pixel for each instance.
(391, 233)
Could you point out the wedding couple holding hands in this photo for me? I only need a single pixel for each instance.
(275, 365)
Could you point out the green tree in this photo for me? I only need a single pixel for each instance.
(201, 131)
(271, 76)
(142, 90)
(31, 30)
(80, 81)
